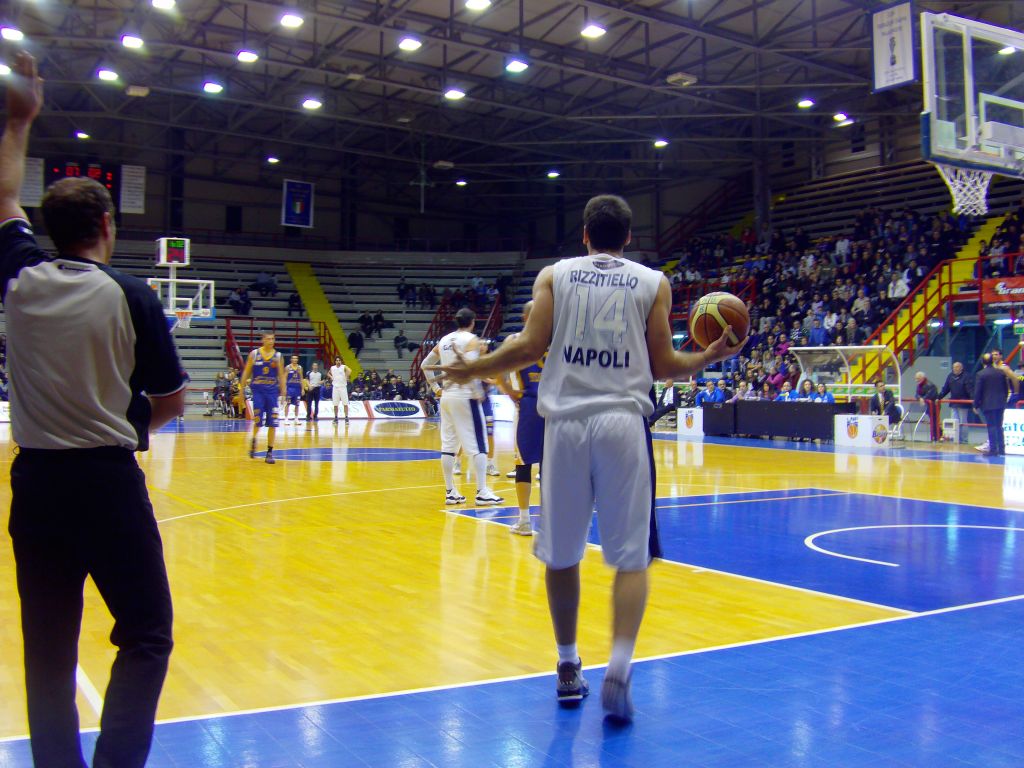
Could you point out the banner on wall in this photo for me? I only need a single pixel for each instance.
(133, 189)
(853, 431)
(892, 45)
(1002, 290)
(1013, 431)
(297, 204)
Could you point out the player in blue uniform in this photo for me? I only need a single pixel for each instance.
(293, 387)
(265, 370)
(522, 387)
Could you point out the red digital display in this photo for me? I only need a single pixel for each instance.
(108, 176)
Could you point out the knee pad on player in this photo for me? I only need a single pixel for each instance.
(523, 473)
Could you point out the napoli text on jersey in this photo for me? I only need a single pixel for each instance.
(598, 357)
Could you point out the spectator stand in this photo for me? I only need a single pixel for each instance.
(443, 323)
(310, 341)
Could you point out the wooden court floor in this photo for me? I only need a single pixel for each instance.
(338, 572)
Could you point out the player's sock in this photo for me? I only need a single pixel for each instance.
(622, 655)
(480, 468)
(447, 465)
(270, 449)
(568, 653)
(524, 515)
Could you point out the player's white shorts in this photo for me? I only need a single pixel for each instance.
(339, 395)
(462, 423)
(601, 461)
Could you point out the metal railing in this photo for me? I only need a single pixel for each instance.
(290, 336)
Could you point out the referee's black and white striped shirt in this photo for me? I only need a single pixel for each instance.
(85, 345)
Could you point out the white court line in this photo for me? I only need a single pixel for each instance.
(532, 675)
(296, 498)
(926, 501)
(698, 568)
(809, 541)
(753, 501)
(89, 690)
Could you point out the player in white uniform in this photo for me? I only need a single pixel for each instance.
(606, 321)
(462, 416)
(339, 374)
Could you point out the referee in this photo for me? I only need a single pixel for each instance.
(79, 502)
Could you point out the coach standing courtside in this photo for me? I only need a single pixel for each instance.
(991, 388)
(92, 369)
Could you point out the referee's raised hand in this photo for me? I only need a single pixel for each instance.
(24, 90)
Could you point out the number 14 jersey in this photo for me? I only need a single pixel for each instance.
(598, 357)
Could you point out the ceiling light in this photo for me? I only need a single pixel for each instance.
(273, 160)
(461, 183)
(4, 69)
(12, 34)
(805, 103)
(1003, 321)
(311, 104)
(660, 143)
(163, 5)
(840, 117)
(845, 123)
(81, 135)
(515, 66)
(409, 43)
(107, 74)
(553, 174)
(131, 41)
(478, 5)
(247, 57)
(404, 119)
(1007, 51)
(454, 94)
(137, 91)
(211, 87)
(593, 31)
(291, 21)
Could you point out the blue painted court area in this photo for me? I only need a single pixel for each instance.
(933, 690)
(939, 555)
(189, 426)
(898, 452)
(355, 453)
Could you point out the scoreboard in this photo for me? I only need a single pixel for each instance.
(107, 174)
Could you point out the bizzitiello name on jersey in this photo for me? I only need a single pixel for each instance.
(603, 279)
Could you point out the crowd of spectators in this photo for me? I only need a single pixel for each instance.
(834, 291)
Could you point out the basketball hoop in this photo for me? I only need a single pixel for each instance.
(184, 318)
(969, 188)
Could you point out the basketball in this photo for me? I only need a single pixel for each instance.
(712, 313)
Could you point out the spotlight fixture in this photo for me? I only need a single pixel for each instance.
(131, 41)
(553, 174)
(844, 123)
(478, 5)
(246, 56)
(81, 135)
(163, 5)
(805, 103)
(660, 143)
(593, 31)
(311, 104)
(108, 75)
(4, 70)
(454, 94)
(212, 87)
(461, 183)
(273, 160)
(840, 117)
(12, 34)
(410, 43)
(291, 21)
(1007, 51)
(516, 65)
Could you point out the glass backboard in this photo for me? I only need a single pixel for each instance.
(973, 94)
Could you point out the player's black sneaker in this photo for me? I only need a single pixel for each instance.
(616, 698)
(572, 686)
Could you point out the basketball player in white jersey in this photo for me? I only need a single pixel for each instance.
(339, 374)
(606, 321)
(462, 415)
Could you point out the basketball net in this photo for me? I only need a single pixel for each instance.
(969, 188)
(184, 318)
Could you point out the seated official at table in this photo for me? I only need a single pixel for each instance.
(710, 394)
(787, 395)
(806, 393)
(822, 395)
(883, 403)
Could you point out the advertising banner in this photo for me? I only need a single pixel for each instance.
(861, 431)
(1002, 290)
(690, 422)
(297, 204)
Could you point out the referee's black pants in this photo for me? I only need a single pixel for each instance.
(76, 513)
(313, 403)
